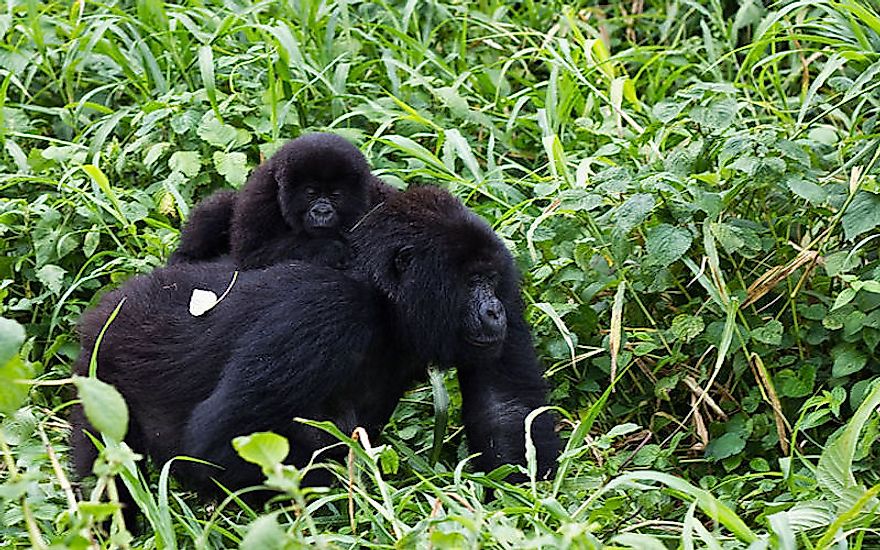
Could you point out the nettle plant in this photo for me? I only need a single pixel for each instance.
(723, 213)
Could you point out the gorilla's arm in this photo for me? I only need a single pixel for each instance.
(497, 396)
(206, 233)
(257, 219)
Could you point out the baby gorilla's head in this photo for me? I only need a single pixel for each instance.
(322, 184)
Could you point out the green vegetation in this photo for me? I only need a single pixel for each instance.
(690, 187)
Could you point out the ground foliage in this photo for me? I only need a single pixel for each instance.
(690, 189)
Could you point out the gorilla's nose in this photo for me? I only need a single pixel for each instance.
(323, 214)
(492, 316)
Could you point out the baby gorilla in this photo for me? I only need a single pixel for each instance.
(433, 284)
(298, 205)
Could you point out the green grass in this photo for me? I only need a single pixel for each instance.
(690, 190)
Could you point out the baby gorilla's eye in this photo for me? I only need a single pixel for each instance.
(310, 191)
(336, 193)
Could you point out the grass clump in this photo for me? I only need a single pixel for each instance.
(690, 189)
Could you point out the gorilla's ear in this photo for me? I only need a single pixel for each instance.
(402, 259)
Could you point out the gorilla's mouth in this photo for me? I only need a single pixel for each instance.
(484, 341)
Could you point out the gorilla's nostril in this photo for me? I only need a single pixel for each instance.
(322, 210)
(493, 314)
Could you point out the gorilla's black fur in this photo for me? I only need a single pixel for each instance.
(297, 205)
(432, 284)
(205, 236)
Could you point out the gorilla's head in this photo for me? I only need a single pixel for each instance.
(450, 279)
(322, 184)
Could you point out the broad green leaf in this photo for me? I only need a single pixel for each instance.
(715, 116)
(12, 392)
(667, 243)
(215, 132)
(155, 151)
(104, 407)
(99, 511)
(186, 162)
(52, 276)
(265, 449)
(232, 166)
(848, 359)
(633, 212)
(11, 338)
(871, 286)
(666, 111)
(813, 193)
(862, 215)
(725, 446)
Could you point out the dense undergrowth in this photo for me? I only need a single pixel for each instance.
(690, 189)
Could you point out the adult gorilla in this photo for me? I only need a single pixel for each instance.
(433, 284)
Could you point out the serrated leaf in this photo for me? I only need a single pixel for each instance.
(104, 406)
(667, 243)
(771, 333)
(687, 327)
(862, 215)
(232, 166)
(666, 111)
(215, 132)
(265, 449)
(389, 460)
(634, 211)
(717, 115)
(727, 236)
(52, 277)
(187, 162)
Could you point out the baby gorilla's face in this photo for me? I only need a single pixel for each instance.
(326, 207)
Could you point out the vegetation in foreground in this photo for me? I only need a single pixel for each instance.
(690, 189)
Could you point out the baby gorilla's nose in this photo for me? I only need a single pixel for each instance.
(492, 317)
(322, 214)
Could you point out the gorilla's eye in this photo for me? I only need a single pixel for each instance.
(403, 259)
(336, 193)
(310, 191)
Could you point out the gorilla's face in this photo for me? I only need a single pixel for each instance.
(324, 204)
(484, 322)
(457, 301)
